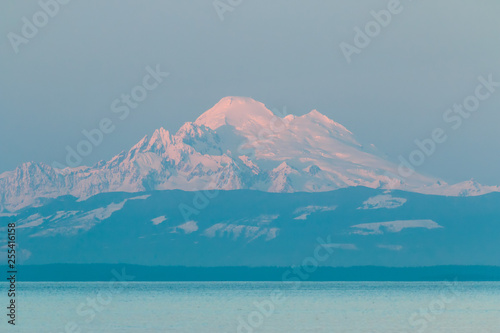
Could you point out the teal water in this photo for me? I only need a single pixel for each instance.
(364, 307)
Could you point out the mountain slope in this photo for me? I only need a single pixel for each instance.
(361, 226)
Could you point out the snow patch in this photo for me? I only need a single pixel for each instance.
(390, 247)
(158, 220)
(31, 221)
(142, 197)
(393, 226)
(306, 211)
(236, 231)
(82, 221)
(261, 219)
(188, 227)
(254, 167)
(383, 201)
(341, 246)
(63, 215)
(272, 233)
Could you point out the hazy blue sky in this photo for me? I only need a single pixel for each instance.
(280, 52)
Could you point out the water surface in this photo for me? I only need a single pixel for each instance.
(364, 307)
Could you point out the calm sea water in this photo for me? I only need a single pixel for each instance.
(365, 307)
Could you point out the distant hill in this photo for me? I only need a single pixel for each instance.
(106, 272)
(355, 226)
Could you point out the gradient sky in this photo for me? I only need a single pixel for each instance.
(283, 53)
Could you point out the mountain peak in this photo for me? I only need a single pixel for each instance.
(141, 143)
(243, 113)
(160, 138)
(229, 100)
(315, 113)
(318, 116)
(29, 168)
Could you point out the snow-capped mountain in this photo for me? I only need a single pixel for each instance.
(237, 144)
